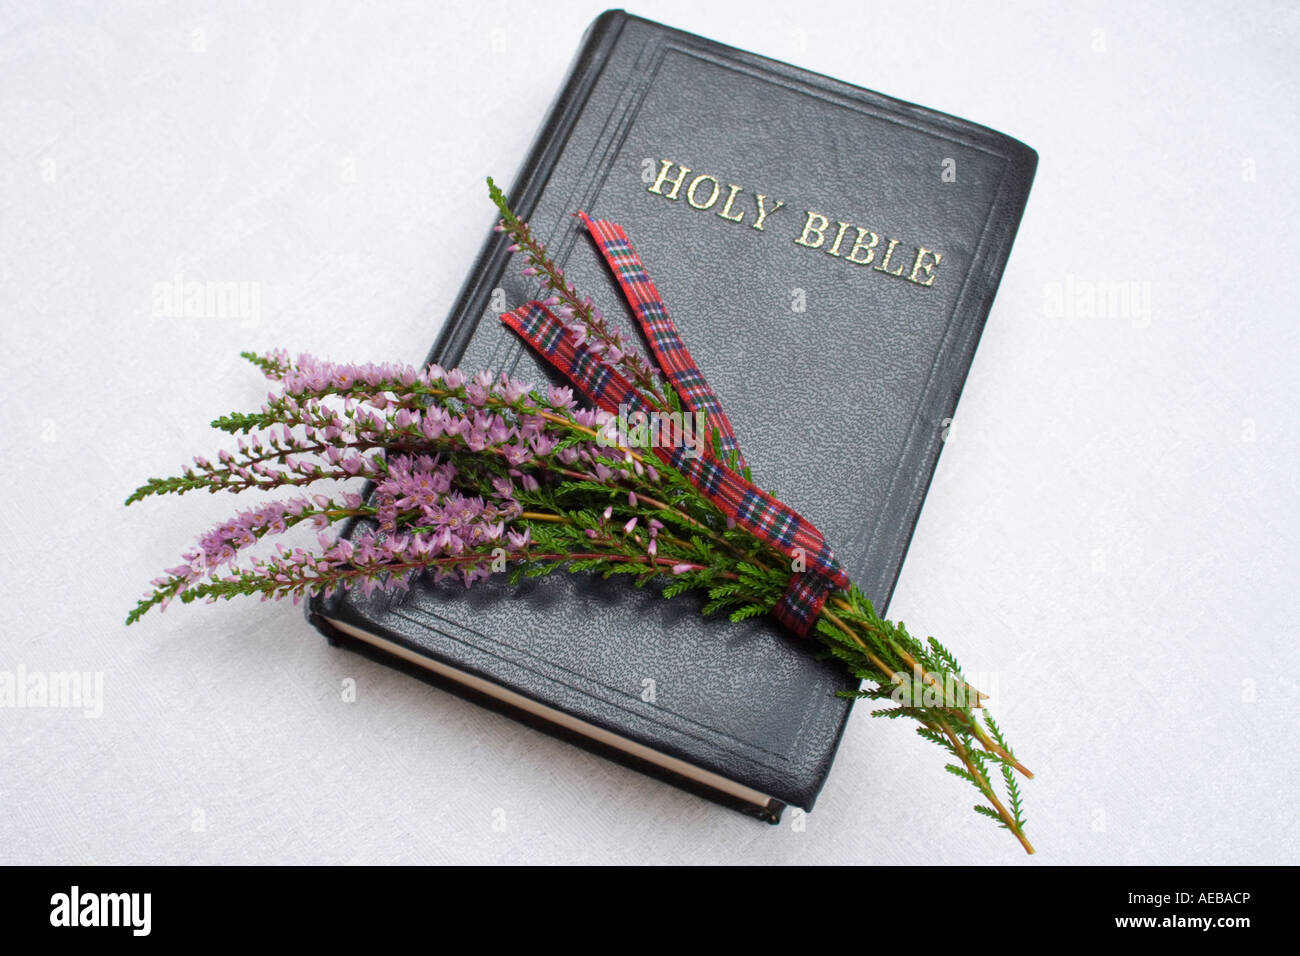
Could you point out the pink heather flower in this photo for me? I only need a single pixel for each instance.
(432, 426)
(498, 431)
(512, 391)
(516, 455)
(682, 568)
(475, 438)
(476, 574)
(627, 528)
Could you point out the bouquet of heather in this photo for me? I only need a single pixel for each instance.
(472, 475)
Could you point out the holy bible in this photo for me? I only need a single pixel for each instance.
(829, 255)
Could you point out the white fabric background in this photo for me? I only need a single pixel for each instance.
(1111, 535)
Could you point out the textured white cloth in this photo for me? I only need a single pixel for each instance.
(1110, 539)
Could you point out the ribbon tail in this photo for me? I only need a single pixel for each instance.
(603, 386)
(660, 332)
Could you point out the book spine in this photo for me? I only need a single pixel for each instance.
(539, 163)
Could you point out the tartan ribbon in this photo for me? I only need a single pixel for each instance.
(750, 507)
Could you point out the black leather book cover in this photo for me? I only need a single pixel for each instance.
(829, 255)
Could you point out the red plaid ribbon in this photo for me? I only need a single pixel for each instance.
(749, 506)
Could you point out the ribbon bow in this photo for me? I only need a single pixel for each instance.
(750, 507)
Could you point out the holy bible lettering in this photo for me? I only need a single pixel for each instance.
(704, 191)
(846, 241)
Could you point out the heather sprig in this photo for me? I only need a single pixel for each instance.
(471, 475)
